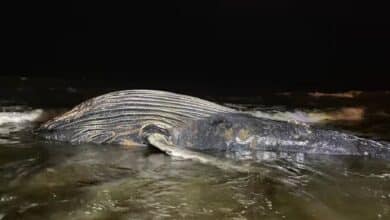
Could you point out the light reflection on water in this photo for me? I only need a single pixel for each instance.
(43, 180)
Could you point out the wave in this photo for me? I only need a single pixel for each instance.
(314, 116)
(349, 94)
(35, 115)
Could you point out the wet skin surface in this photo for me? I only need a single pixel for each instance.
(243, 134)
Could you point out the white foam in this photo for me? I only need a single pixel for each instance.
(286, 116)
(382, 176)
(342, 114)
(21, 117)
(348, 94)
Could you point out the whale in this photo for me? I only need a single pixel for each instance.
(192, 128)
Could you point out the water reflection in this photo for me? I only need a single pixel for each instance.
(98, 182)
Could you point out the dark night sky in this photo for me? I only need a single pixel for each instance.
(291, 44)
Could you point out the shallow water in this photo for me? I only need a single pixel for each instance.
(46, 180)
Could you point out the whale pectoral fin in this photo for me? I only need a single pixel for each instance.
(162, 143)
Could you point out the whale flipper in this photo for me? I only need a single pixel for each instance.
(162, 143)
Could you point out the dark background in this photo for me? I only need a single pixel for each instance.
(233, 46)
